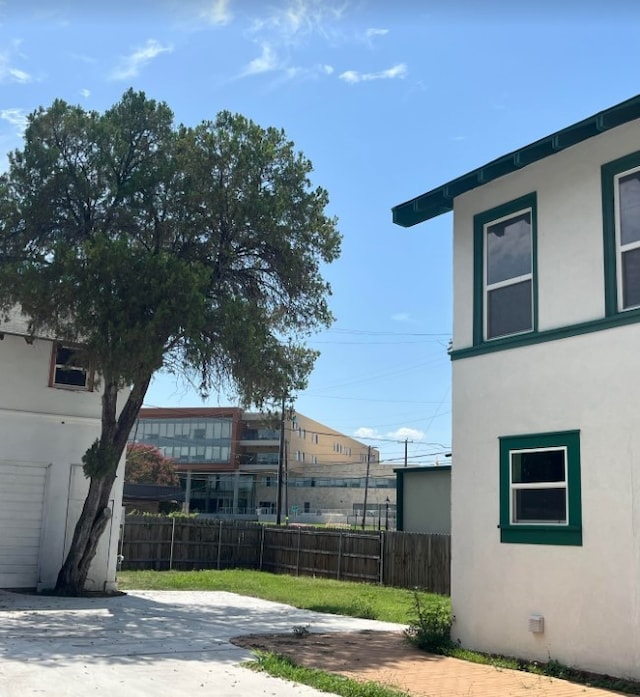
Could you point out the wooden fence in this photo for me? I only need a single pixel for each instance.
(405, 560)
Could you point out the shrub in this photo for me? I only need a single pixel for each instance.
(430, 623)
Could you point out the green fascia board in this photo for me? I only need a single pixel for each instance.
(423, 468)
(440, 200)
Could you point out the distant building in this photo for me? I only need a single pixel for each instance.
(228, 463)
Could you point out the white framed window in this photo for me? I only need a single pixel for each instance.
(69, 369)
(627, 224)
(538, 483)
(508, 275)
(540, 499)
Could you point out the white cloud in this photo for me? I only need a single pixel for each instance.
(372, 32)
(396, 72)
(85, 92)
(16, 117)
(401, 317)
(265, 63)
(405, 433)
(217, 12)
(364, 432)
(131, 65)
(327, 69)
(300, 18)
(8, 71)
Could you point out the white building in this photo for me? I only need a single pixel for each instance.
(49, 416)
(546, 437)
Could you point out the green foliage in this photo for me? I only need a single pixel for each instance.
(146, 464)
(197, 249)
(100, 459)
(430, 623)
(284, 667)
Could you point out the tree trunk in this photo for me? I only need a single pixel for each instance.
(101, 465)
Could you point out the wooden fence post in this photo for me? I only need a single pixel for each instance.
(261, 546)
(339, 554)
(173, 534)
(219, 543)
(298, 553)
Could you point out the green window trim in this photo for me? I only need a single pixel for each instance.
(480, 221)
(609, 171)
(510, 342)
(543, 533)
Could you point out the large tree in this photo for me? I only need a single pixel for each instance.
(152, 245)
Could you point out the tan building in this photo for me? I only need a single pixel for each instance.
(228, 462)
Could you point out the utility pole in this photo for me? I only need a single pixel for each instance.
(406, 441)
(366, 487)
(281, 455)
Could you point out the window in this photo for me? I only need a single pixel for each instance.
(540, 500)
(621, 209)
(505, 261)
(69, 370)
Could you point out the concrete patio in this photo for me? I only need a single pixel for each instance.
(168, 643)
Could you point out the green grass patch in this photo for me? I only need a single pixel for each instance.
(304, 592)
(283, 667)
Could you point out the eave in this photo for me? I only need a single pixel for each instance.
(440, 200)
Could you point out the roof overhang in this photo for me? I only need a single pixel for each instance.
(440, 200)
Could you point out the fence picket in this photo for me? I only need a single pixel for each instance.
(405, 560)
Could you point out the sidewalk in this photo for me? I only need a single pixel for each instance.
(385, 657)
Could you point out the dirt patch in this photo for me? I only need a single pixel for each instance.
(382, 657)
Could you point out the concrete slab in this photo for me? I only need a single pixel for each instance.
(164, 643)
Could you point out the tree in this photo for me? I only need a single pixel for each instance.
(194, 249)
(146, 464)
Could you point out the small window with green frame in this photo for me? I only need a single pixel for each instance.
(540, 499)
(505, 270)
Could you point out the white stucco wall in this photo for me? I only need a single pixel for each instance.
(39, 424)
(588, 595)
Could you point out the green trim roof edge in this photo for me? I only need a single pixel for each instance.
(440, 200)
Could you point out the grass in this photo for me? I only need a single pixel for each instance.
(283, 667)
(551, 669)
(319, 594)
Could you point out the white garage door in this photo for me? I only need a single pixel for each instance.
(22, 492)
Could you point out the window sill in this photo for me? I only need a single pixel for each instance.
(542, 534)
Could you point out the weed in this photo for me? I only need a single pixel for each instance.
(430, 623)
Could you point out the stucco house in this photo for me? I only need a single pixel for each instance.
(546, 437)
(49, 415)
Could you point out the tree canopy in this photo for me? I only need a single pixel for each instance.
(155, 245)
(146, 464)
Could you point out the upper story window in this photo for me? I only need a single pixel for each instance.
(621, 227)
(69, 369)
(627, 194)
(505, 270)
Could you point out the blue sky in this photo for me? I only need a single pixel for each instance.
(387, 99)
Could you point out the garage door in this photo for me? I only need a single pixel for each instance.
(22, 491)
